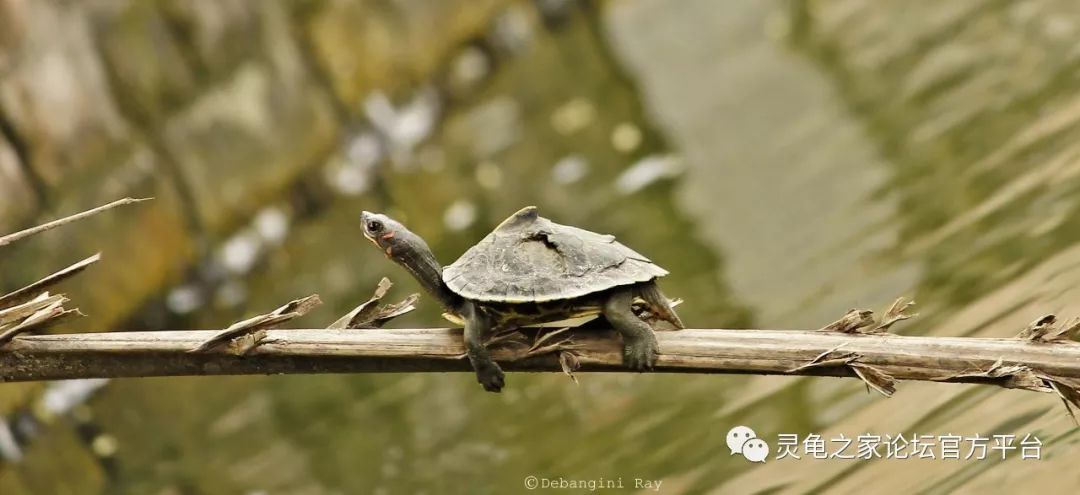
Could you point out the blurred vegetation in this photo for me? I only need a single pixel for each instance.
(784, 160)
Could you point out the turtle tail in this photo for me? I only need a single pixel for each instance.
(659, 304)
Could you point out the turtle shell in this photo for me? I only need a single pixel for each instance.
(529, 258)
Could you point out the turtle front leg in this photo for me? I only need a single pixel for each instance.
(488, 373)
(640, 349)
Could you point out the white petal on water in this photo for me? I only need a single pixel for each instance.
(62, 396)
(9, 448)
(348, 180)
(460, 215)
(363, 150)
(104, 445)
(407, 126)
(417, 119)
(494, 126)
(272, 224)
(350, 173)
(488, 175)
(241, 251)
(626, 137)
(380, 111)
(648, 170)
(184, 299)
(513, 29)
(469, 68)
(573, 116)
(570, 169)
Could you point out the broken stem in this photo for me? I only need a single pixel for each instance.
(10, 238)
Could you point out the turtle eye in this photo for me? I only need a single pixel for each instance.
(374, 226)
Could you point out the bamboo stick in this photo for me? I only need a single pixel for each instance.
(1011, 362)
(1041, 358)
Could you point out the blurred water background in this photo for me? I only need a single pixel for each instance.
(786, 160)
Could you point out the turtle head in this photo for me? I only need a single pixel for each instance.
(390, 236)
(411, 252)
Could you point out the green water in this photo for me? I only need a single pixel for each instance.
(794, 184)
(411, 433)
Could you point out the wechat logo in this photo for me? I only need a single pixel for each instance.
(743, 441)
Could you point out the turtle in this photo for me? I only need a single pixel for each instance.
(531, 271)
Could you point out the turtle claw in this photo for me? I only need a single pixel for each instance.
(641, 354)
(491, 377)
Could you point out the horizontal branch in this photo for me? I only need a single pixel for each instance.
(1041, 358)
(773, 352)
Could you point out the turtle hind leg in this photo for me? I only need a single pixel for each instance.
(658, 303)
(477, 326)
(639, 344)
